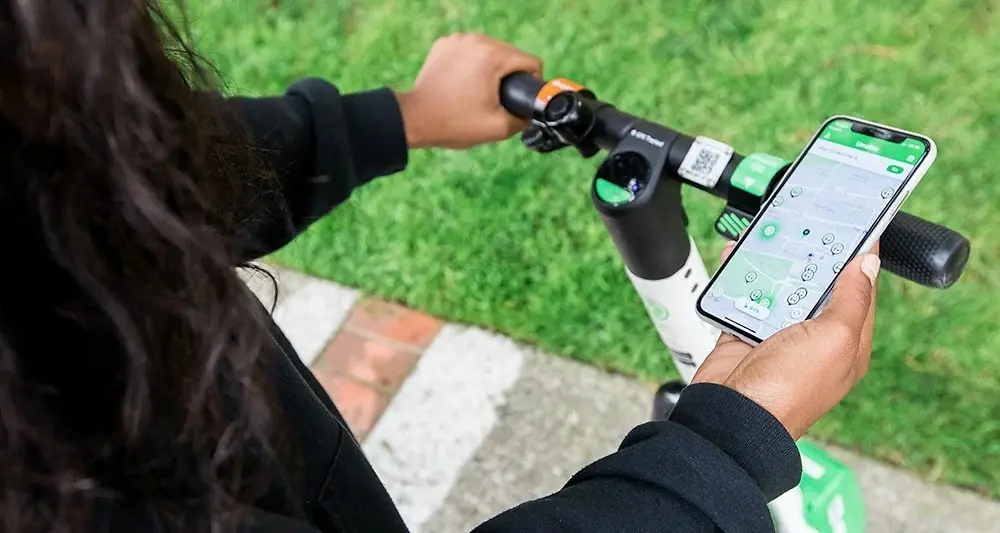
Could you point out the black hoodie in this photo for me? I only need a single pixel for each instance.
(713, 466)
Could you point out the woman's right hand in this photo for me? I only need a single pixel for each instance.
(455, 101)
(804, 370)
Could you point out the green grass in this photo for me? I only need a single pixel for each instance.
(506, 239)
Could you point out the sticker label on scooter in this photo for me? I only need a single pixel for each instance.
(755, 172)
(705, 161)
(656, 311)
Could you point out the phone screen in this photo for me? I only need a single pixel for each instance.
(812, 226)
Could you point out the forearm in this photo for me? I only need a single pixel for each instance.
(320, 146)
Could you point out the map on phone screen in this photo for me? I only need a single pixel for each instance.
(812, 227)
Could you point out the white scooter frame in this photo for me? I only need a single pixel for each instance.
(670, 303)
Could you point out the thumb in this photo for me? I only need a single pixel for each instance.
(850, 302)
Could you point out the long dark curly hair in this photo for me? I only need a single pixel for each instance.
(131, 369)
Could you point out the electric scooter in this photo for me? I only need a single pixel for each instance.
(637, 192)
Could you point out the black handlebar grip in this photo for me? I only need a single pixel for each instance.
(518, 92)
(923, 252)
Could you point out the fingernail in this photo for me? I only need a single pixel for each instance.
(869, 265)
(730, 245)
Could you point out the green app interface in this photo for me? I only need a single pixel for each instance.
(815, 222)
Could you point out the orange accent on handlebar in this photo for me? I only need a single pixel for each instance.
(554, 87)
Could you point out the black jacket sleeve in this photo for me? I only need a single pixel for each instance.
(713, 466)
(322, 145)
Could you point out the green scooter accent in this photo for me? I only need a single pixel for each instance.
(832, 496)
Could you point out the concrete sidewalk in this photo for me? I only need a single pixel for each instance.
(462, 424)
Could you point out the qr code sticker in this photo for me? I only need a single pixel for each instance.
(705, 161)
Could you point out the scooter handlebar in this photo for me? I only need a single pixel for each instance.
(913, 248)
(923, 252)
(518, 92)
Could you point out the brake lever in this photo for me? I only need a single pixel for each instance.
(540, 138)
(543, 139)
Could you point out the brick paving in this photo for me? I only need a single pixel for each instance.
(370, 357)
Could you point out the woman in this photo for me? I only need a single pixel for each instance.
(143, 388)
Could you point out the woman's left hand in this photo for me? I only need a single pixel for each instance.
(804, 370)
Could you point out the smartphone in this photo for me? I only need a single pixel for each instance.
(833, 203)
